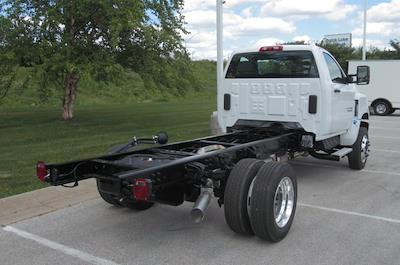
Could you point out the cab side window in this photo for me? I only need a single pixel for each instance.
(334, 69)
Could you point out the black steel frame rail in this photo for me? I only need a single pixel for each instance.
(104, 167)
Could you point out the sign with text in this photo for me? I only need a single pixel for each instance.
(344, 39)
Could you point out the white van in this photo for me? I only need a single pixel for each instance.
(383, 91)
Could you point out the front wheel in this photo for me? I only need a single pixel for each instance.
(359, 156)
(273, 201)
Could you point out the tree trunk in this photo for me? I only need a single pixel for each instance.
(70, 89)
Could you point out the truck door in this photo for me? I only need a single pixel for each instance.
(343, 95)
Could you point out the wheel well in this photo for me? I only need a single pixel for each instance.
(364, 124)
(381, 99)
(364, 121)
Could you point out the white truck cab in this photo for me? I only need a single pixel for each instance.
(297, 86)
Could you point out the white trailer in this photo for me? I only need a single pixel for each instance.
(383, 91)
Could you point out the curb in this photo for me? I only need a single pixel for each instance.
(39, 202)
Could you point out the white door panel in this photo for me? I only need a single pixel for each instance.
(342, 107)
(342, 94)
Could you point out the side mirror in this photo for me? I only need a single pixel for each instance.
(363, 75)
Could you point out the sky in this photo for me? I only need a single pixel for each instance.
(255, 23)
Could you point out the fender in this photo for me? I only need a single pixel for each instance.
(361, 118)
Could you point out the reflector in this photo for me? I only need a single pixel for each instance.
(41, 171)
(141, 190)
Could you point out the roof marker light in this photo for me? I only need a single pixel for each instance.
(276, 48)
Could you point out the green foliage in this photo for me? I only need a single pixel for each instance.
(206, 73)
(344, 54)
(396, 46)
(377, 54)
(113, 85)
(104, 43)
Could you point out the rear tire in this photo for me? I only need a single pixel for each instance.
(382, 108)
(358, 157)
(392, 111)
(140, 206)
(237, 194)
(273, 201)
(109, 198)
(113, 200)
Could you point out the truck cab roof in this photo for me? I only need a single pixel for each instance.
(288, 47)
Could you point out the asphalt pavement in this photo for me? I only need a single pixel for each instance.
(343, 217)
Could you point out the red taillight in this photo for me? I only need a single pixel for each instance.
(141, 190)
(271, 49)
(41, 171)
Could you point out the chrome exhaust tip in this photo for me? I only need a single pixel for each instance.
(198, 212)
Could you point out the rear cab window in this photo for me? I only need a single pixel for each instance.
(281, 64)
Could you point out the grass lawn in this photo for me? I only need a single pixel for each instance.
(28, 135)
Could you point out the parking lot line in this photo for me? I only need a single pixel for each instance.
(373, 121)
(386, 151)
(379, 218)
(59, 247)
(385, 128)
(338, 167)
(384, 137)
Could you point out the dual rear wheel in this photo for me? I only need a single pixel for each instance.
(260, 198)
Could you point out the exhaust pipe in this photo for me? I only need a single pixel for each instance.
(198, 211)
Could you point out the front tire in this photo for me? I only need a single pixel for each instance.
(359, 156)
(273, 201)
(237, 194)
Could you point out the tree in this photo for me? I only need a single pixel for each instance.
(344, 54)
(62, 38)
(395, 44)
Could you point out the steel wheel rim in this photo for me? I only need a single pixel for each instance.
(249, 197)
(283, 202)
(381, 108)
(364, 148)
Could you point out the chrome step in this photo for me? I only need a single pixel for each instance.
(342, 152)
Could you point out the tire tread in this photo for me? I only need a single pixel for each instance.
(262, 199)
(236, 192)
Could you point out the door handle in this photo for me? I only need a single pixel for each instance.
(337, 90)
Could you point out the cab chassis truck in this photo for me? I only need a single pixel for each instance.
(274, 105)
